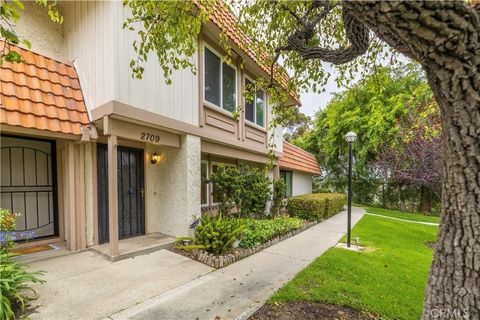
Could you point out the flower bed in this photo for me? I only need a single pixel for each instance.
(223, 260)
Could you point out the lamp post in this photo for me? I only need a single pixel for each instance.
(350, 138)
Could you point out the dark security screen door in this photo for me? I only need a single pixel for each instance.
(28, 185)
(131, 211)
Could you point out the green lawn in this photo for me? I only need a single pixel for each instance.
(402, 215)
(387, 279)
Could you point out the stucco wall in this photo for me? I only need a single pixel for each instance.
(301, 183)
(36, 26)
(173, 187)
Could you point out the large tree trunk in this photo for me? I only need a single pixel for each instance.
(401, 200)
(425, 200)
(444, 38)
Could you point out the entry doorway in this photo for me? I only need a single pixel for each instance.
(28, 186)
(131, 192)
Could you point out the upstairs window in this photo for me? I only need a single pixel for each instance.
(220, 81)
(255, 110)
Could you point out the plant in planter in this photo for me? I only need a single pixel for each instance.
(214, 234)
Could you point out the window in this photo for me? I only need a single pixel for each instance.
(287, 177)
(204, 183)
(220, 81)
(255, 110)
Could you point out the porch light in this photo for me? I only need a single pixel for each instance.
(155, 158)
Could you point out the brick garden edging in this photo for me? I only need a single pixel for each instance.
(220, 261)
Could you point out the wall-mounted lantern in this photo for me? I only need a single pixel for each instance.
(155, 158)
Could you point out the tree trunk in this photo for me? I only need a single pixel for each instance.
(425, 200)
(444, 37)
(401, 201)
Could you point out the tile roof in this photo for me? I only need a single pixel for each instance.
(41, 93)
(224, 19)
(295, 158)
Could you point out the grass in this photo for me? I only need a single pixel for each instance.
(401, 215)
(388, 279)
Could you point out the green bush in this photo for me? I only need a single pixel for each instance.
(315, 206)
(258, 231)
(255, 191)
(214, 234)
(279, 193)
(247, 189)
(15, 280)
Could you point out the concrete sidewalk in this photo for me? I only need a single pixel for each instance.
(235, 292)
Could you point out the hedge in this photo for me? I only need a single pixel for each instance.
(315, 206)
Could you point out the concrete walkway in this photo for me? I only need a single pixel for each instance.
(164, 285)
(235, 292)
(405, 220)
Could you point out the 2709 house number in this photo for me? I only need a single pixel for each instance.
(149, 137)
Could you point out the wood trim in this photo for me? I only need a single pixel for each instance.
(200, 81)
(60, 190)
(131, 114)
(34, 243)
(232, 153)
(95, 193)
(79, 212)
(112, 195)
(70, 212)
(28, 132)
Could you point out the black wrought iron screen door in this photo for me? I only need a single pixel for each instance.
(131, 193)
(28, 185)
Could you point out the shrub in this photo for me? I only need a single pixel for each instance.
(214, 234)
(226, 183)
(15, 280)
(258, 231)
(315, 206)
(255, 191)
(279, 193)
(248, 189)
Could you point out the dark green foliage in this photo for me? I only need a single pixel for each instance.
(258, 231)
(247, 189)
(279, 193)
(228, 187)
(15, 281)
(315, 206)
(255, 191)
(215, 234)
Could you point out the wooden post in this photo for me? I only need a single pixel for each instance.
(70, 212)
(112, 195)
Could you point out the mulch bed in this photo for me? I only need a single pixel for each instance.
(309, 310)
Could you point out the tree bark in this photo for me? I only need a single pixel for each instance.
(401, 200)
(425, 200)
(444, 38)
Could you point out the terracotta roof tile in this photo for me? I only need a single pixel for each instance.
(295, 158)
(41, 93)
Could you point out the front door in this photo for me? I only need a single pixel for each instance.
(28, 186)
(131, 209)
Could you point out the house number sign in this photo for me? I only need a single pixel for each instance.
(145, 136)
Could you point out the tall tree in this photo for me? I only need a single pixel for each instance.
(444, 37)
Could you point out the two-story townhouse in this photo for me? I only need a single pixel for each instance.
(91, 155)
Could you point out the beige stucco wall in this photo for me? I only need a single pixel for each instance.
(36, 26)
(173, 187)
(301, 183)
